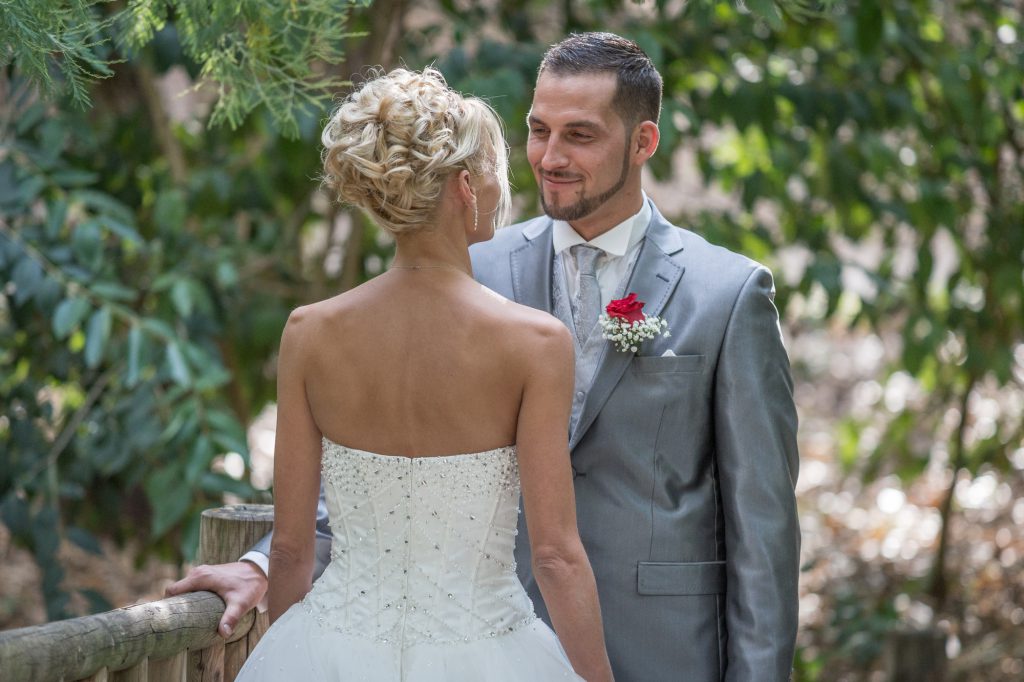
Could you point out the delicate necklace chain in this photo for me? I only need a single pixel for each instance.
(427, 267)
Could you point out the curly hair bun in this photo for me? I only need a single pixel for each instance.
(394, 141)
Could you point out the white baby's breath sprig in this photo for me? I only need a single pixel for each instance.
(627, 336)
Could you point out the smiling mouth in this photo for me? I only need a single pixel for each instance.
(557, 180)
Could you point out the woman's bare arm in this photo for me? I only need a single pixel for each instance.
(297, 449)
(560, 563)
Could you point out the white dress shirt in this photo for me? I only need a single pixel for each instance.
(619, 246)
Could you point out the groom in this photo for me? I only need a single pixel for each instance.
(685, 450)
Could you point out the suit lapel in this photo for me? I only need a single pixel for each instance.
(654, 278)
(531, 267)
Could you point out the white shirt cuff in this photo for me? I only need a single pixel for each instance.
(263, 563)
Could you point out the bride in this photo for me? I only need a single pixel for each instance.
(427, 403)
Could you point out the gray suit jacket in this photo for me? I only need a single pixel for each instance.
(685, 465)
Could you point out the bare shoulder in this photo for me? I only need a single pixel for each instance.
(304, 321)
(537, 335)
(309, 318)
(547, 331)
(308, 322)
(551, 350)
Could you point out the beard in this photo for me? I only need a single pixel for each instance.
(586, 205)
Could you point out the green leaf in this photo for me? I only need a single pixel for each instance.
(181, 296)
(122, 230)
(29, 116)
(135, 339)
(227, 274)
(96, 336)
(218, 484)
(164, 281)
(158, 328)
(767, 10)
(170, 211)
(199, 459)
(49, 294)
(56, 214)
(27, 277)
(228, 432)
(70, 312)
(73, 177)
(87, 243)
(177, 365)
(8, 186)
(104, 204)
(848, 440)
(97, 602)
(112, 291)
(169, 499)
(869, 25)
(28, 191)
(173, 427)
(9, 250)
(84, 539)
(212, 377)
(14, 513)
(190, 537)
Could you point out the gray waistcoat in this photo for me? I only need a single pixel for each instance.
(589, 355)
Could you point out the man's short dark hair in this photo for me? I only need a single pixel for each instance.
(637, 83)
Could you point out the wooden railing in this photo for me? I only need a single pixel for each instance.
(175, 640)
(171, 640)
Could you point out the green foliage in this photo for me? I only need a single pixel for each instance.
(254, 52)
(111, 363)
(136, 320)
(40, 36)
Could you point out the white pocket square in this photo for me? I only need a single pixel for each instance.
(668, 354)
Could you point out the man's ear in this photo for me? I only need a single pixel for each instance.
(645, 141)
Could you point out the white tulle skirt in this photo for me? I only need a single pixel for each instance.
(297, 648)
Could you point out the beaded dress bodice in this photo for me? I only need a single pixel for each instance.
(422, 547)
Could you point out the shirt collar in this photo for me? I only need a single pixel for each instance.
(615, 242)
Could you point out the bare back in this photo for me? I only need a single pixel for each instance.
(419, 363)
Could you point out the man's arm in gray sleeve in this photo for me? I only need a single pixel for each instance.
(259, 554)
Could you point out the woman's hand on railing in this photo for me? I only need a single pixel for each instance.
(241, 584)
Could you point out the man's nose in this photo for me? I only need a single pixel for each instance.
(554, 158)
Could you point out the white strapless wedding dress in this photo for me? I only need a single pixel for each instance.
(422, 584)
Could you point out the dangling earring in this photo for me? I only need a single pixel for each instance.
(476, 216)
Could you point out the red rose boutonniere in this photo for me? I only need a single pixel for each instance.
(625, 324)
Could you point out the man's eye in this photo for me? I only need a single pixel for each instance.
(582, 137)
(537, 131)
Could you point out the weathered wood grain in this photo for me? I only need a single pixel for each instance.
(168, 669)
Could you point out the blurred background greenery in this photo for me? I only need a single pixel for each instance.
(160, 215)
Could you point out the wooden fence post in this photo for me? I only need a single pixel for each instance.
(225, 534)
(169, 669)
(915, 655)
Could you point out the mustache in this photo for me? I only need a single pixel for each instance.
(559, 175)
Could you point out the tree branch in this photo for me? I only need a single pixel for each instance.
(165, 138)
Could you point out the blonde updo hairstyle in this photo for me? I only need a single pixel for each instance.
(392, 144)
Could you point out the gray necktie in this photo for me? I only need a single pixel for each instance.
(588, 302)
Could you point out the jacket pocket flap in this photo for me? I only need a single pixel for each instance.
(663, 577)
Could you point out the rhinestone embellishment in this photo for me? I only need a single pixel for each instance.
(422, 547)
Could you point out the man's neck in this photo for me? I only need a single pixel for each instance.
(608, 217)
